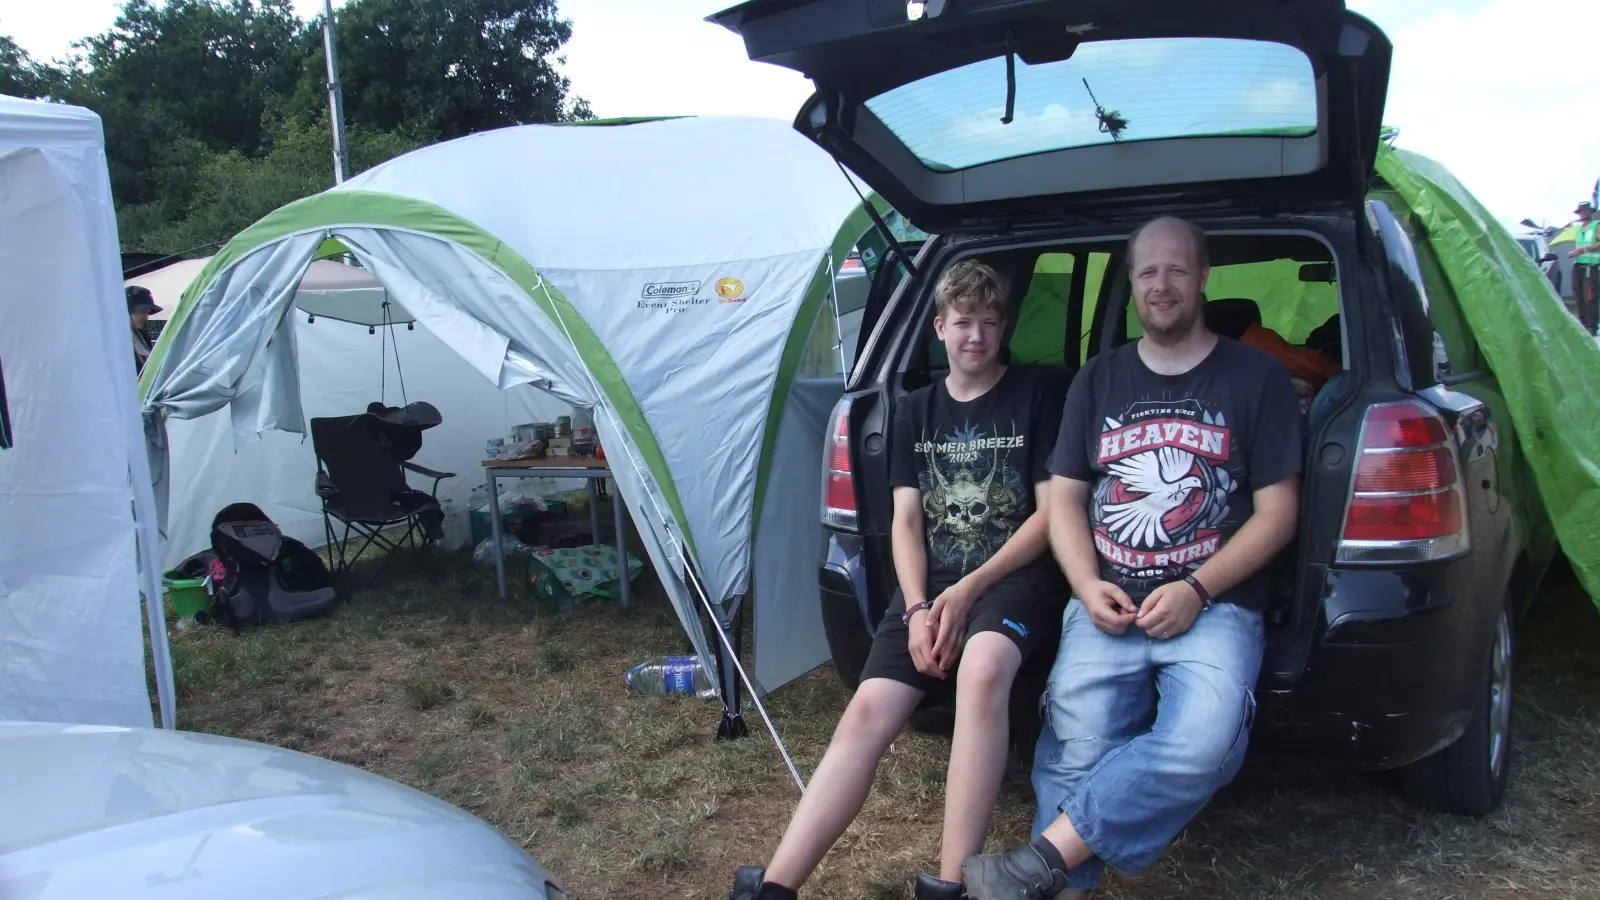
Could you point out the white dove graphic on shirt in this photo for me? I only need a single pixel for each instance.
(1162, 477)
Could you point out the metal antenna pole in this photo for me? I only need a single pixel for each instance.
(341, 158)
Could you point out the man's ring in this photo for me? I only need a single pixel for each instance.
(1164, 635)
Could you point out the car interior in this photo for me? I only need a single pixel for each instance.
(1277, 292)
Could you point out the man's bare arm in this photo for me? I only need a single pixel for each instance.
(1069, 533)
(1269, 529)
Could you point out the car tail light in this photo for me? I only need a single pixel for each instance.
(1406, 500)
(838, 485)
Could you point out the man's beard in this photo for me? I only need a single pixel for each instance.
(1167, 335)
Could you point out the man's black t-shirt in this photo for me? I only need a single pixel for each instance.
(1174, 459)
(976, 464)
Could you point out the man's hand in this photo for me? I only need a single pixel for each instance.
(921, 644)
(948, 621)
(1170, 610)
(1109, 607)
(1573, 254)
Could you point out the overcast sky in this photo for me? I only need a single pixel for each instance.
(1500, 91)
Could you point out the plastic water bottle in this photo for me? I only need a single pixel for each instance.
(457, 531)
(671, 675)
(479, 499)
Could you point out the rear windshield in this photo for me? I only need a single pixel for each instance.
(1108, 91)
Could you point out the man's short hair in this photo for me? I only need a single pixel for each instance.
(1197, 238)
(970, 287)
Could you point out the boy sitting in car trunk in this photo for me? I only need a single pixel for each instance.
(978, 595)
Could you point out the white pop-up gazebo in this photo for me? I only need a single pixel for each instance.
(665, 274)
(78, 541)
(348, 358)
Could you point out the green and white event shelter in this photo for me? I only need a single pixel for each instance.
(666, 274)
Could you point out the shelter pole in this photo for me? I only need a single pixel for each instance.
(341, 157)
(732, 726)
(838, 333)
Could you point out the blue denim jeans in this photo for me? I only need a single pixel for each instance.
(1139, 733)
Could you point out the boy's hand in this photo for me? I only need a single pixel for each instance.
(949, 622)
(921, 643)
(1109, 607)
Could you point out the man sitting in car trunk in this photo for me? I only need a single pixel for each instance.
(1176, 483)
(978, 594)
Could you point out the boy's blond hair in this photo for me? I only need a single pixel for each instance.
(969, 287)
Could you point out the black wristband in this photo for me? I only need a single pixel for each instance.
(1205, 595)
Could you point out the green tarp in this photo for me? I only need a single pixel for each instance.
(1545, 363)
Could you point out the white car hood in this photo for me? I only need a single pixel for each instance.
(91, 811)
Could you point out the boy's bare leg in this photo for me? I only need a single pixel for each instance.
(842, 780)
(989, 665)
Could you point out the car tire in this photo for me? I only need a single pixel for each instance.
(1470, 776)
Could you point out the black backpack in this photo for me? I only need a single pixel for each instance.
(262, 575)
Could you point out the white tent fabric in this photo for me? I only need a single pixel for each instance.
(664, 274)
(789, 640)
(77, 535)
(342, 369)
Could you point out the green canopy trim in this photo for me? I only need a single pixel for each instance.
(794, 347)
(331, 210)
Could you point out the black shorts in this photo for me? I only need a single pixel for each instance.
(1021, 608)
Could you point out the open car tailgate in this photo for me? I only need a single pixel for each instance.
(1019, 109)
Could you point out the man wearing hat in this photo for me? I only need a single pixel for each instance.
(1586, 267)
(140, 306)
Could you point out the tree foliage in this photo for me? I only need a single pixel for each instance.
(215, 111)
(446, 68)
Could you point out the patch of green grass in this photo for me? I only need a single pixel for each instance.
(420, 640)
(439, 763)
(306, 683)
(662, 853)
(260, 657)
(565, 811)
(887, 886)
(556, 659)
(477, 716)
(425, 691)
(544, 740)
(531, 775)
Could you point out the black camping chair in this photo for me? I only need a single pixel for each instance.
(361, 477)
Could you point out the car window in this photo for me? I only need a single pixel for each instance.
(1289, 306)
(1459, 352)
(1093, 284)
(1108, 91)
(1039, 335)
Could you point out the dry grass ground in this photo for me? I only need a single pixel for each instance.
(521, 716)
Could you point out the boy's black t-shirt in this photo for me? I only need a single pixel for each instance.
(1174, 459)
(976, 464)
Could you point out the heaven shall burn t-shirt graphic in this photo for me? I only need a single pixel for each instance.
(971, 493)
(1162, 507)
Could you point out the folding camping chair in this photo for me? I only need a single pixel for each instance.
(361, 477)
